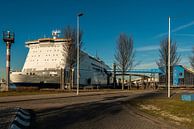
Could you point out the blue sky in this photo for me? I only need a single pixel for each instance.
(103, 21)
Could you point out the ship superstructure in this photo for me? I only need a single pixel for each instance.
(47, 57)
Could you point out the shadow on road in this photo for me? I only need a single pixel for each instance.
(63, 117)
(69, 115)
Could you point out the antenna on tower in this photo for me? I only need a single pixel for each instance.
(55, 33)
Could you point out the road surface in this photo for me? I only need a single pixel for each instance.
(100, 110)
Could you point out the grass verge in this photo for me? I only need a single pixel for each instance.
(18, 93)
(171, 109)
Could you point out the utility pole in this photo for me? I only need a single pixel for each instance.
(169, 57)
(78, 50)
(8, 38)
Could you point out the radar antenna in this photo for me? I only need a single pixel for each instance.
(55, 33)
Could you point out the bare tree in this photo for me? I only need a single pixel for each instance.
(191, 59)
(174, 57)
(71, 50)
(163, 59)
(125, 55)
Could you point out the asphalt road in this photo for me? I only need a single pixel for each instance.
(111, 110)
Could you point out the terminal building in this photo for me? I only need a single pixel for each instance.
(180, 77)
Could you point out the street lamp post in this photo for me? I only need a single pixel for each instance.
(78, 50)
(169, 57)
(72, 77)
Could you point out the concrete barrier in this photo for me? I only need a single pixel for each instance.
(22, 119)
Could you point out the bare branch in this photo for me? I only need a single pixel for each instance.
(71, 48)
(163, 59)
(191, 59)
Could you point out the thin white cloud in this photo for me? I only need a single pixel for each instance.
(176, 29)
(184, 49)
(160, 35)
(148, 48)
(183, 26)
(185, 61)
(147, 65)
(188, 35)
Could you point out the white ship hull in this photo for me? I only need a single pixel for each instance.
(34, 80)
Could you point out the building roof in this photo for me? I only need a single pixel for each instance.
(42, 40)
(188, 69)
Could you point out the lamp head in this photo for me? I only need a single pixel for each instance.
(80, 14)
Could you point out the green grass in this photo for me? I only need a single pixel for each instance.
(173, 106)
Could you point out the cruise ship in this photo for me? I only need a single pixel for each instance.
(46, 60)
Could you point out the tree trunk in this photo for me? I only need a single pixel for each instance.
(123, 80)
(129, 86)
(166, 76)
(70, 78)
(62, 79)
(114, 76)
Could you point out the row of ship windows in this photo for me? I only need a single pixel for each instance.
(48, 47)
(46, 50)
(45, 60)
(46, 55)
(35, 74)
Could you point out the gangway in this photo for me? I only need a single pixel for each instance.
(140, 71)
(143, 73)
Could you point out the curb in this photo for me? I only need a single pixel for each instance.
(22, 119)
(55, 97)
